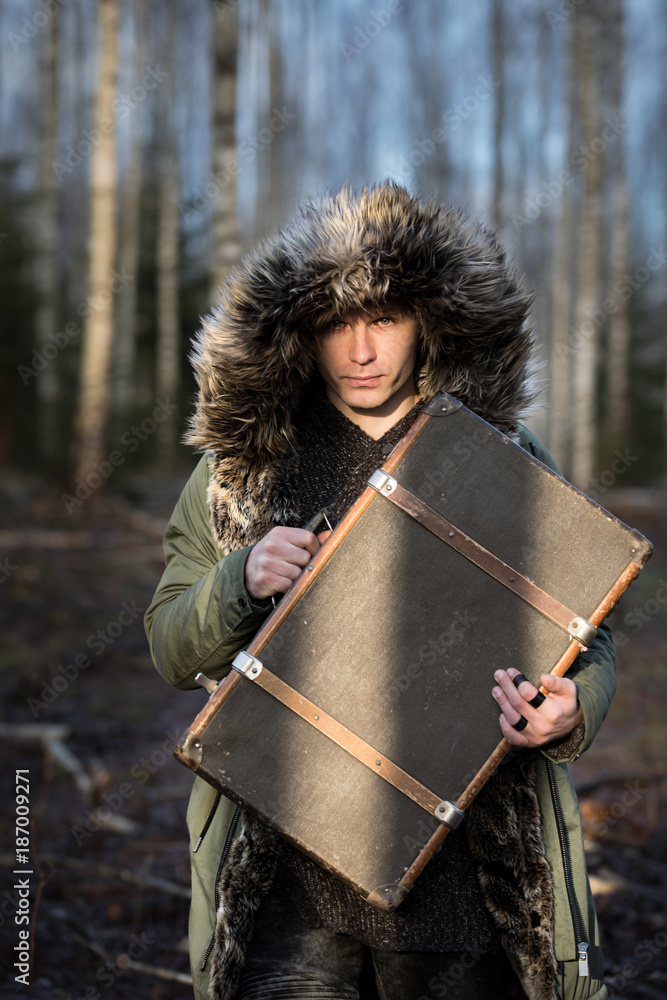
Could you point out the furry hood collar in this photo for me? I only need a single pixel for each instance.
(254, 354)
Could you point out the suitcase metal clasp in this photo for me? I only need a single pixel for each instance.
(382, 482)
(449, 814)
(247, 665)
(582, 630)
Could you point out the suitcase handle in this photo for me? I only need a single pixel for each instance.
(319, 521)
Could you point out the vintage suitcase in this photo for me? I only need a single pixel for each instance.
(359, 723)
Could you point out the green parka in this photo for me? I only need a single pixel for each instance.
(202, 616)
(254, 361)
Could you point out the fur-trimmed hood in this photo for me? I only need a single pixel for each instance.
(254, 354)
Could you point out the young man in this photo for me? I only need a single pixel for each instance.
(324, 346)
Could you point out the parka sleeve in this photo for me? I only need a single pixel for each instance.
(593, 671)
(201, 614)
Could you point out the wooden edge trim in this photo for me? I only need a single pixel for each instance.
(221, 693)
(561, 667)
(481, 557)
(440, 835)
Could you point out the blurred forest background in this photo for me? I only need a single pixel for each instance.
(144, 145)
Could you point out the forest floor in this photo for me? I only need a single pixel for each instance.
(109, 865)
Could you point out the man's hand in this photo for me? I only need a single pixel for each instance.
(276, 561)
(555, 718)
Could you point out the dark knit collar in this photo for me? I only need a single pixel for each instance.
(328, 423)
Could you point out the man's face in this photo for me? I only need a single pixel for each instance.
(367, 360)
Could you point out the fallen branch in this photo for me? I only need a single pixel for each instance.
(33, 732)
(125, 962)
(52, 739)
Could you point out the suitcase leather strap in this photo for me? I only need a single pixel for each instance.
(346, 739)
(481, 557)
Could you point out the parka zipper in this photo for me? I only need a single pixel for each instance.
(575, 911)
(223, 858)
(209, 820)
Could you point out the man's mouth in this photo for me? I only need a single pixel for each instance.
(362, 379)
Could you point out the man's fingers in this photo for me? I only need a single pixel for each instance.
(558, 685)
(526, 688)
(508, 693)
(277, 560)
(546, 721)
(512, 735)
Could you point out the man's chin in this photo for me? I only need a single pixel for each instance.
(366, 398)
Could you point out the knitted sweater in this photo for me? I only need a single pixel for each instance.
(444, 911)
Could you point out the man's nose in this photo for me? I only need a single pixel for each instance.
(361, 346)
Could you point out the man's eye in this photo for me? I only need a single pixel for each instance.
(384, 321)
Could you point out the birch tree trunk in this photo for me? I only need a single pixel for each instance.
(587, 321)
(126, 333)
(46, 245)
(168, 341)
(93, 403)
(275, 157)
(560, 423)
(545, 248)
(78, 208)
(224, 230)
(619, 321)
(498, 74)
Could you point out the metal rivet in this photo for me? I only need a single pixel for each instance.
(310, 567)
(316, 717)
(378, 763)
(444, 409)
(512, 579)
(451, 534)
